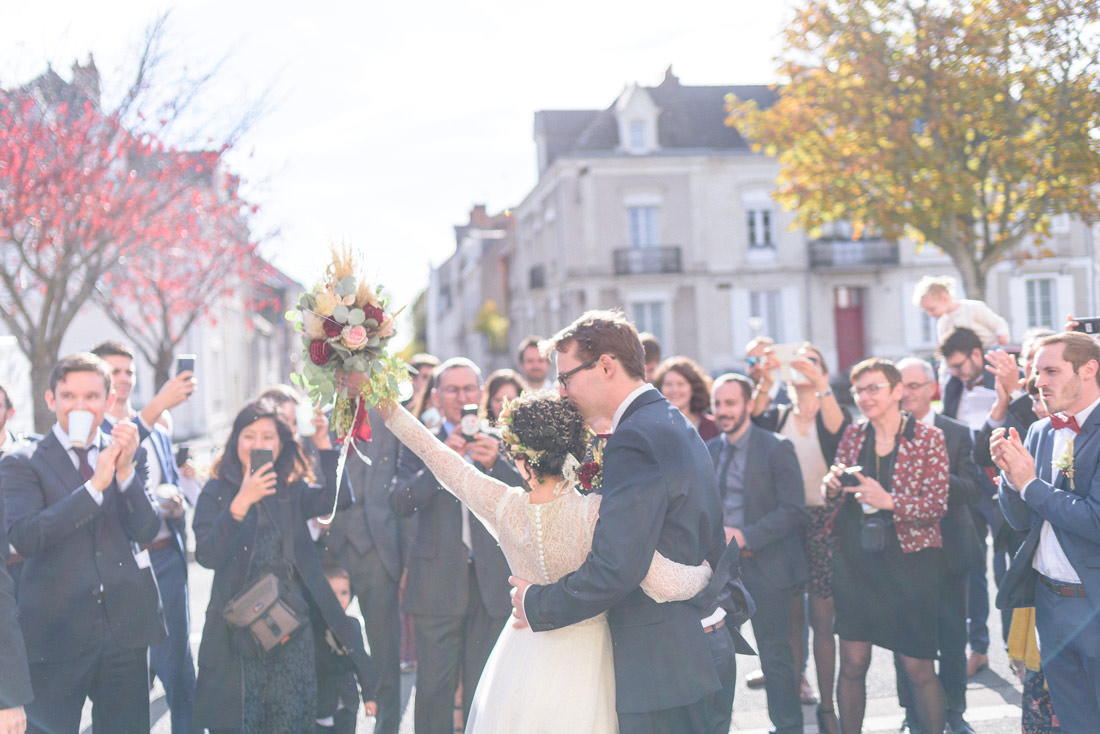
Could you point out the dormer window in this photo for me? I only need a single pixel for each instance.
(638, 143)
(636, 115)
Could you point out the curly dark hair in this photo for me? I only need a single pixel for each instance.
(694, 374)
(545, 422)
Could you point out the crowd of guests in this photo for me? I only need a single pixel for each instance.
(860, 522)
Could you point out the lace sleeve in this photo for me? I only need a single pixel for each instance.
(479, 492)
(671, 581)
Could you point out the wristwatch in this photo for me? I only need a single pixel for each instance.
(826, 391)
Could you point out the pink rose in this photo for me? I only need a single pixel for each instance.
(354, 337)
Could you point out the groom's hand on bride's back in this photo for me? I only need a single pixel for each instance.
(519, 588)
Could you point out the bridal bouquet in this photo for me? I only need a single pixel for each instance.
(345, 325)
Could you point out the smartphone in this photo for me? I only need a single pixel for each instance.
(470, 424)
(259, 457)
(1088, 325)
(183, 453)
(185, 363)
(785, 354)
(848, 478)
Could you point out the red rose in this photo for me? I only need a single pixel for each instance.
(319, 351)
(333, 327)
(587, 473)
(374, 312)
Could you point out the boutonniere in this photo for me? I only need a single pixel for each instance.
(1064, 463)
(590, 474)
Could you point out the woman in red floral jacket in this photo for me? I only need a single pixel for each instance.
(885, 566)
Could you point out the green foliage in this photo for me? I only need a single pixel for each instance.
(964, 125)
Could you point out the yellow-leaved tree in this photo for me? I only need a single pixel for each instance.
(966, 125)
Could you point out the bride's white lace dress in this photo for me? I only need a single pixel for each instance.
(556, 681)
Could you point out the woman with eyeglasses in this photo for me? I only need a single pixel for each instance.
(814, 422)
(889, 489)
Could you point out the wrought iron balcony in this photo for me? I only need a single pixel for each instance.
(840, 253)
(647, 260)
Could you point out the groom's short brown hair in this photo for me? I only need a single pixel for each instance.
(604, 332)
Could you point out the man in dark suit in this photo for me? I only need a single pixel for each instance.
(659, 493)
(968, 395)
(961, 545)
(88, 604)
(1050, 487)
(9, 443)
(15, 678)
(457, 585)
(763, 507)
(364, 540)
(171, 659)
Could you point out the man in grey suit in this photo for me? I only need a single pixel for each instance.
(763, 507)
(457, 585)
(1050, 488)
(962, 546)
(364, 540)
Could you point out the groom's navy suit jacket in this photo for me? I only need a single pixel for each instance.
(659, 493)
(1074, 514)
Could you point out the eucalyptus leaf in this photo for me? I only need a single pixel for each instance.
(356, 316)
(347, 286)
(340, 313)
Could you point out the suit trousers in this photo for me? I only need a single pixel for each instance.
(447, 647)
(952, 646)
(377, 594)
(171, 660)
(771, 627)
(116, 679)
(1069, 642)
(720, 703)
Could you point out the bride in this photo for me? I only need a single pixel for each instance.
(561, 680)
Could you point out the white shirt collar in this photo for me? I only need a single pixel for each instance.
(1086, 412)
(929, 418)
(63, 438)
(626, 403)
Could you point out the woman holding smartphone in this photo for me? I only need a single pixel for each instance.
(250, 520)
(886, 560)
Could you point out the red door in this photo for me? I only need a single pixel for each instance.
(848, 318)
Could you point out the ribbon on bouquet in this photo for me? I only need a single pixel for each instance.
(360, 431)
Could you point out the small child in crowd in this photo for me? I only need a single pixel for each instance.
(935, 294)
(337, 695)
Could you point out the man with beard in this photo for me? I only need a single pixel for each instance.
(1051, 489)
(763, 507)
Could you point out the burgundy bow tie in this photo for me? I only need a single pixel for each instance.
(1057, 422)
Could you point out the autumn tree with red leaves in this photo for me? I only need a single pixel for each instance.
(94, 204)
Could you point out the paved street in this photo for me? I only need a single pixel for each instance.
(993, 696)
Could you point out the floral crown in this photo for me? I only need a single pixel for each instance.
(515, 447)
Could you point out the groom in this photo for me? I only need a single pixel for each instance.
(659, 493)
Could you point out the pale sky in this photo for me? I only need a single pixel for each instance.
(389, 120)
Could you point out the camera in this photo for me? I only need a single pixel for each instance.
(470, 424)
(848, 478)
(1088, 325)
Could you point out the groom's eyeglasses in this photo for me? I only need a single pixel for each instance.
(563, 378)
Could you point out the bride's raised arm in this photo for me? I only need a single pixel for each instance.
(478, 491)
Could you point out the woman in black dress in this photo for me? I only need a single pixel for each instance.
(243, 518)
(888, 540)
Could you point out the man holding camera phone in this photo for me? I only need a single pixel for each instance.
(170, 660)
(457, 588)
(75, 504)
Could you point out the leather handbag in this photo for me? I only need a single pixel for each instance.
(268, 618)
(264, 613)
